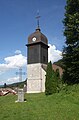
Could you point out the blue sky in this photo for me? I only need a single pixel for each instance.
(17, 22)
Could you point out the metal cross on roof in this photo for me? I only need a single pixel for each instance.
(37, 17)
(20, 73)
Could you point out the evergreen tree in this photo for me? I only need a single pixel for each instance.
(48, 82)
(71, 50)
(5, 85)
(52, 83)
(59, 80)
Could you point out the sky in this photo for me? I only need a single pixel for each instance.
(17, 22)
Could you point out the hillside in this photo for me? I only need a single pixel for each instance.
(59, 106)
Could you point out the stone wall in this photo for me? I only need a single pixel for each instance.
(35, 78)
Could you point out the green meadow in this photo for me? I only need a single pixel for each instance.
(59, 106)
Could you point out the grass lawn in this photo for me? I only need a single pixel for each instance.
(59, 106)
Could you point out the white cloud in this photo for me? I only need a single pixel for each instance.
(54, 54)
(18, 60)
(17, 52)
(12, 80)
(13, 62)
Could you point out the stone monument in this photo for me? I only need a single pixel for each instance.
(20, 95)
(20, 90)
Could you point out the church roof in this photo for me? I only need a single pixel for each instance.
(40, 37)
(55, 67)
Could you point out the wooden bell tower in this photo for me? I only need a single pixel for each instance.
(37, 59)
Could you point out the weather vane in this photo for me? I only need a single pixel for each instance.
(38, 17)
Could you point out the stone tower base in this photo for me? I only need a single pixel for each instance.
(35, 78)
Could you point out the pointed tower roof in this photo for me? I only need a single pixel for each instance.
(40, 37)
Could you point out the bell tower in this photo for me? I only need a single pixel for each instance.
(37, 59)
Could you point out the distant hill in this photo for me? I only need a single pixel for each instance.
(18, 84)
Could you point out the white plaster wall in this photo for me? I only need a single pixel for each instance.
(35, 78)
(33, 71)
(33, 86)
(43, 80)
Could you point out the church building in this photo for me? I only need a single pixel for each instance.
(37, 59)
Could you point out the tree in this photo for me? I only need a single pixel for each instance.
(48, 82)
(71, 50)
(58, 80)
(52, 83)
(5, 85)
